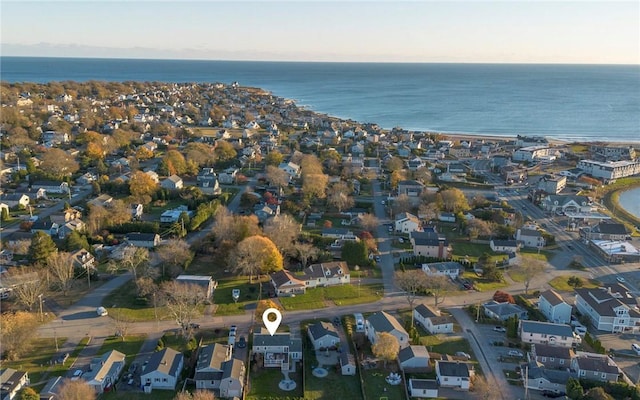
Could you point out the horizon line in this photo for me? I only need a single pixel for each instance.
(317, 61)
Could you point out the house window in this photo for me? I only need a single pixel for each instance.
(551, 359)
(164, 379)
(156, 380)
(582, 373)
(603, 376)
(561, 362)
(446, 379)
(544, 359)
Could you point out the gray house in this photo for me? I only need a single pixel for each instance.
(503, 311)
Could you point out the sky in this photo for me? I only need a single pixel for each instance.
(516, 31)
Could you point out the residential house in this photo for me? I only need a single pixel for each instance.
(460, 152)
(15, 200)
(380, 322)
(33, 194)
(411, 188)
(70, 214)
(347, 363)
(430, 244)
(531, 238)
(613, 153)
(266, 211)
(423, 388)
(216, 370)
(279, 350)
(323, 335)
(286, 284)
(432, 320)
(292, 169)
(513, 173)
(455, 374)
(147, 240)
(86, 179)
(552, 357)
(447, 268)
(566, 204)
(406, 223)
(103, 200)
(504, 246)
(153, 175)
(137, 209)
(533, 153)
(554, 308)
(338, 233)
(51, 186)
(228, 176)
(205, 282)
(51, 388)
(595, 367)
(11, 381)
(74, 225)
(414, 359)
(326, 274)
(46, 226)
(174, 182)
(552, 184)
(163, 370)
(606, 230)
(504, 311)
(173, 215)
(548, 333)
(447, 217)
(542, 378)
(104, 371)
(83, 259)
(612, 309)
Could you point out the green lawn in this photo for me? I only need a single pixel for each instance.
(36, 360)
(263, 384)
(375, 385)
(130, 346)
(462, 249)
(560, 284)
(125, 305)
(339, 295)
(224, 300)
(544, 255)
(482, 284)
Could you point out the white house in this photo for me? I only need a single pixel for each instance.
(406, 222)
(137, 210)
(286, 284)
(11, 382)
(432, 321)
(163, 370)
(551, 304)
(323, 335)
(423, 388)
(326, 274)
(105, 370)
(147, 240)
(611, 309)
(206, 282)
(566, 204)
(279, 351)
(548, 333)
(347, 363)
(530, 238)
(414, 358)
(51, 186)
(454, 374)
(292, 169)
(447, 268)
(504, 246)
(174, 182)
(380, 322)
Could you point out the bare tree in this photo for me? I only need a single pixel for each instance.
(339, 196)
(197, 395)
(402, 204)
(176, 254)
(529, 268)
(412, 282)
(277, 177)
(121, 323)
(369, 222)
(135, 260)
(28, 285)
(439, 286)
(428, 211)
(182, 301)
(306, 252)
(75, 390)
(477, 227)
(61, 267)
(283, 231)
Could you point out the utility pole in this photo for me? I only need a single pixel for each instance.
(55, 337)
(41, 317)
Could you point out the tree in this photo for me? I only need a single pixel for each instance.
(339, 196)
(454, 200)
(423, 175)
(135, 260)
(401, 204)
(182, 300)
(274, 158)
(369, 222)
(483, 390)
(305, 252)
(224, 151)
(277, 177)
(173, 163)
(75, 390)
(120, 322)
(176, 254)
(315, 185)
(28, 284)
(142, 186)
(412, 283)
(597, 393)
(61, 267)
(42, 246)
(76, 241)
(439, 286)
(27, 393)
(283, 231)
(386, 347)
(17, 332)
(395, 164)
(58, 163)
(529, 269)
(574, 389)
(477, 227)
(198, 153)
(255, 255)
(355, 253)
(575, 282)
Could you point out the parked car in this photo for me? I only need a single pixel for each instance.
(242, 343)
(515, 353)
(76, 375)
(232, 330)
(499, 329)
(552, 394)
(620, 279)
(635, 347)
(102, 312)
(377, 258)
(463, 354)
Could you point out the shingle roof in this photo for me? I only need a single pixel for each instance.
(165, 361)
(552, 297)
(383, 322)
(546, 328)
(425, 311)
(278, 339)
(453, 368)
(545, 350)
(610, 228)
(412, 352)
(596, 363)
(428, 239)
(321, 329)
(429, 384)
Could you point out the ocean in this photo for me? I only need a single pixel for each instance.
(569, 102)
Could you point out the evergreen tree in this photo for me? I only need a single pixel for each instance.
(76, 241)
(5, 214)
(574, 389)
(42, 246)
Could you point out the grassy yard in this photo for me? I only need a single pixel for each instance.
(130, 346)
(263, 384)
(157, 395)
(462, 249)
(36, 360)
(482, 284)
(123, 305)
(159, 207)
(544, 255)
(375, 386)
(223, 298)
(559, 283)
(339, 295)
(333, 386)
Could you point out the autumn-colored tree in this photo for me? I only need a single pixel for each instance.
(231, 229)
(255, 255)
(94, 151)
(199, 153)
(197, 395)
(369, 222)
(386, 347)
(274, 158)
(143, 153)
(175, 254)
(412, 283)
(264, 305)
(27, 393)
(454, 200)
(276, 176)
(439, 287)
(17, 332)
(315, 185)
(369, 241)
(394, 164)
(340, 196)
(58, 162)
(142, 186)
(75, 390)
(224, 151)
(477, 227)
(503, 297)
(173, 163)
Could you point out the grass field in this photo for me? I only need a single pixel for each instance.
(339, 295)
(482, 284)
(130, 346)
(224, 300)
(375, 387)
(334, 386)
(473, 251)
(264, 384)
(559, 283)
(36, 360)
(157, 395)
(123, 305)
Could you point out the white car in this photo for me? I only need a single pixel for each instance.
(102, 312)
(499, 329)
(620, 279)
(515, 353)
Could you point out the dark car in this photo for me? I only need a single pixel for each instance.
(194, 326)
(552, 394)
(242, 343)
